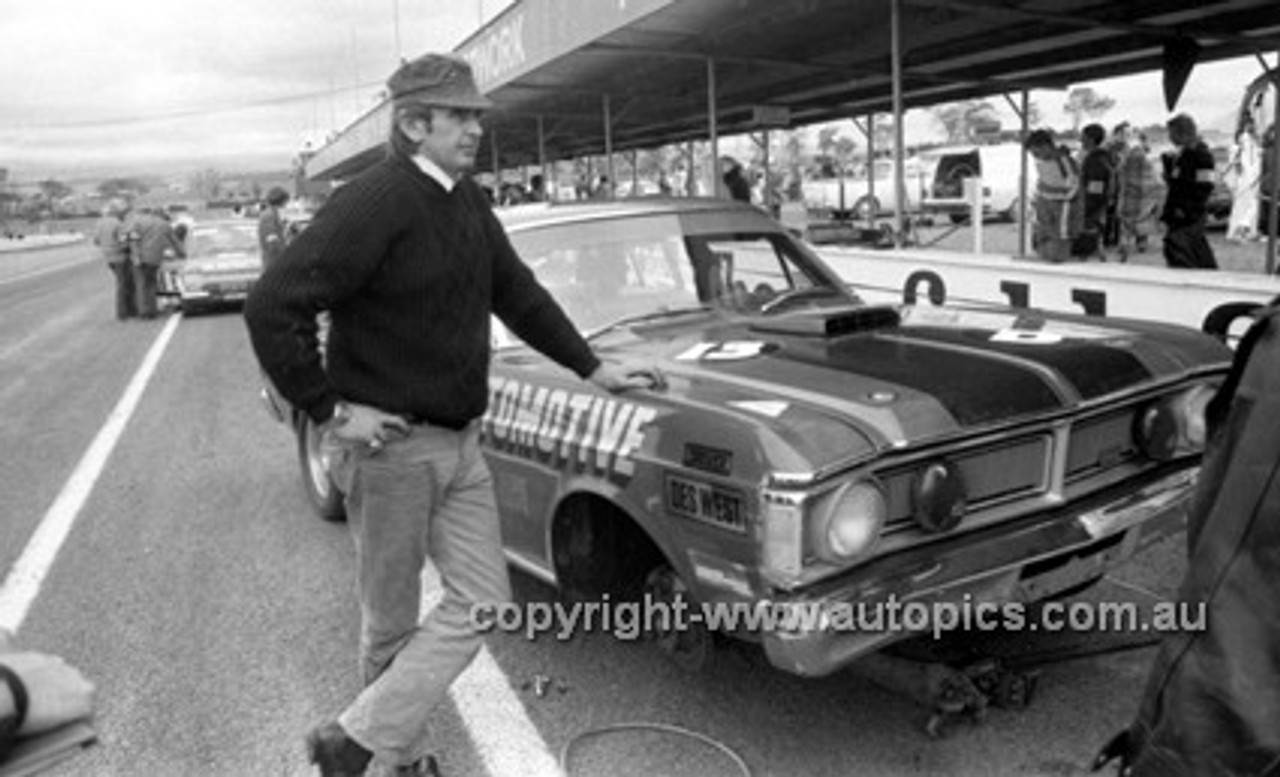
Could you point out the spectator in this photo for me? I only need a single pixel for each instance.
(1096, 186)
(272, 230)
(110, 238)
(1057, 203)
(151, 242)
(537, 188)
(1139, 191)
(411, 261)
(1212, 699)
(603, 190)
(735, 180)
(1189, 172)
(1266, 185)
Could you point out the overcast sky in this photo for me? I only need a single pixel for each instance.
(88, 85)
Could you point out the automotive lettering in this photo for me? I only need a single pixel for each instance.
(1018, 293)
(567, 430)
(1094, 302)
(937, 292)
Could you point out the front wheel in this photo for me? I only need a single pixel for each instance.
(322, 493)
(866, 208)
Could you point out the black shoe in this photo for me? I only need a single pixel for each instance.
(337, 754)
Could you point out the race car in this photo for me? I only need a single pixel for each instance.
(222, 263)
(809, 448)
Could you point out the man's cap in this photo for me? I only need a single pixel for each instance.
(437, 79)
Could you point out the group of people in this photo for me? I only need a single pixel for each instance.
(135, 242)
(1110, 195)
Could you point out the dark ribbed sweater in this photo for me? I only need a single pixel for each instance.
(410, 274)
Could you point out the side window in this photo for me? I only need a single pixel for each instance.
(744, 272)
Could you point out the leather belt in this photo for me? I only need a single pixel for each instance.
(422, 420)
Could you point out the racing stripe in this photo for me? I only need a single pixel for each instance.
(973, 390)
(1092, 368)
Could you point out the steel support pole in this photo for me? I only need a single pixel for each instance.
(608, 149)
(1023, 177)
(713, 132)
(542, 160)
(898, 178)
(1273, 202)
(871, 167)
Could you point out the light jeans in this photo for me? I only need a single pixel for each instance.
(426, 497)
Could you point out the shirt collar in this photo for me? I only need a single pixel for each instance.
(432, 169)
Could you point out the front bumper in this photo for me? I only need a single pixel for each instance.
(1041, 556)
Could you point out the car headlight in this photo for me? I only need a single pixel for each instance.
(848, 523)
(1173, 426)
(939, 497)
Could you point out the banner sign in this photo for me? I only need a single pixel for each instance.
(531, 33)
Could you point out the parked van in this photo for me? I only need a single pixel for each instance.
(999, 168)
(859, 197)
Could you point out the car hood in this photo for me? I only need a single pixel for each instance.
(239, 262)
(852, 381)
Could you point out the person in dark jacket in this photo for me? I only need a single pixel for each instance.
(152, 241)
(1212, 699)
(410, 261)
(1189, 173)
(735, 179)
(1097, 174)
(112, 241)
(272, 231)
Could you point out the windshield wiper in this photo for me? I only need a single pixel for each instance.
(643, 318)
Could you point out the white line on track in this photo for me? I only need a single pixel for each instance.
(22, 585)
(507, 742)
(44, 271)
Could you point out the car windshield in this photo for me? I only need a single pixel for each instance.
(647, 269)
(222, 239)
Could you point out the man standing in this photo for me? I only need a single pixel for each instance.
(271, 226)
(1190, 174)
(1056, 204)
(1096, 175)
(410, 261)
(109, 237)
(151, 242)
(735, 180)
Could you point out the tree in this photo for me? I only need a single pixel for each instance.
(122, 187)
(962, 121)
(207, 184)
(1083, 101)
(54, 190)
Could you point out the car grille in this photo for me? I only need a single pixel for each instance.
(993, 475)
(1021, 475)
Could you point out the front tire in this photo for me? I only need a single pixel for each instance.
(322, 493)
(866, 208)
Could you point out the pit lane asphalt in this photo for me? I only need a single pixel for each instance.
(216, 615)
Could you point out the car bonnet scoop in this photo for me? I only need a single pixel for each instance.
(831, 323)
